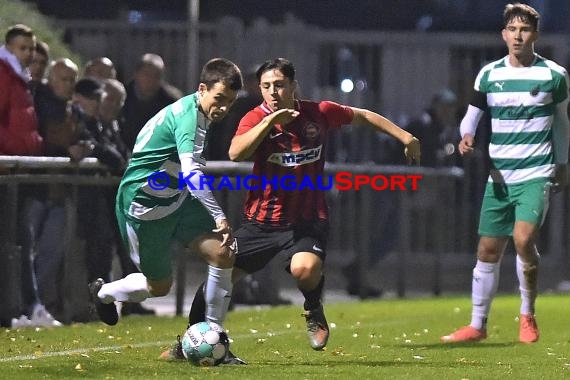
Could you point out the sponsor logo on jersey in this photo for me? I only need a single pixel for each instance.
(301, 157)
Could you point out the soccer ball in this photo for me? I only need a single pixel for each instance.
(205, 344)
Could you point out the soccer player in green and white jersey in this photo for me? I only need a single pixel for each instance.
(153, 208)
(527, 98)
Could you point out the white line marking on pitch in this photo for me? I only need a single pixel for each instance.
(79, 351)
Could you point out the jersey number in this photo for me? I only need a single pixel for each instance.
(146, 132)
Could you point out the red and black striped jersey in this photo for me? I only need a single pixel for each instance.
(288, 155)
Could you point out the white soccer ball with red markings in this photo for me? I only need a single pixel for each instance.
(205, 344)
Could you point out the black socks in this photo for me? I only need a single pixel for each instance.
(313, 297)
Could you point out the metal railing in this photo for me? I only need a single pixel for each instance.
(22, 170)
(436, 224)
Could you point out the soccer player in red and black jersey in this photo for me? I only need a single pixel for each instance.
(287, 137)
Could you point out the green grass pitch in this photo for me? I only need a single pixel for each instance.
(384, 339)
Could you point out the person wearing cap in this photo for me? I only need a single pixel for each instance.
(110, 117)
(101, 102)
(96, 204)
(437, 128)
(88, 96)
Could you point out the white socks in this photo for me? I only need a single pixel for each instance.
(218, 293)
(132, 288)
(483, 289)
(486, 281)
(528, 276)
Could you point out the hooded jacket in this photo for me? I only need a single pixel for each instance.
(18, 121)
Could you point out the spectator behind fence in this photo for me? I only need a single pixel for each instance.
(360, 270)
(110, 114)
(93, 206)
(437, 127)
(19, 136)
(42, 223)
(438, 130)
(147, 94)
(88, 96)
(18, 122)
(57, 118)
(100, 68)
(38, 67)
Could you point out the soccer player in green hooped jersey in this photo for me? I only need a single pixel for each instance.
(527, 98)
(151, 215)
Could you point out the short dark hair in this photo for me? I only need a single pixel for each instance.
(281, 64)
(523, 12)
(221, 70)
(18, 30)
(90, 88)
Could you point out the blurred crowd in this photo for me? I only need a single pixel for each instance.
(53, 107)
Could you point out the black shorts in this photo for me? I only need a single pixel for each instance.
(258, 244)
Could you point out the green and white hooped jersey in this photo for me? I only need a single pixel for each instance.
(178, 130)
(522, 102)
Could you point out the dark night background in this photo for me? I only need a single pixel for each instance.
(429, 15)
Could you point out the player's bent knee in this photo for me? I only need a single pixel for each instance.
(490, 250)
(305, 266)
(303, 272)
(209, 248)
(524, 244)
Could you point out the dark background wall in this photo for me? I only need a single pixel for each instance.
(462, 15)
